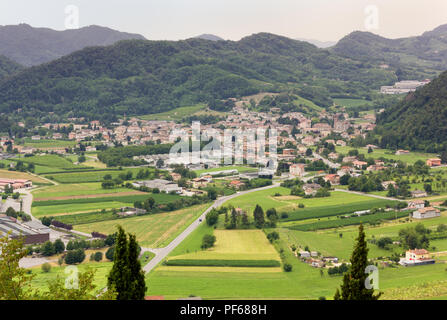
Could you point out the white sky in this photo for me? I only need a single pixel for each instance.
(233, 19)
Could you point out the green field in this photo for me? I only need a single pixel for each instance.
(49, 143)
(74, 190)
(267, 199)
(50, 160)
(410, 158)
(55, 207)
(154, 230)
(88, 176)
(41, 278)
(351, 103)
(175, 114)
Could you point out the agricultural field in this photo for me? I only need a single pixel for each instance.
(351, 103)
(77, 190)
(153, 230)
(88, 176)
(41, 279)
(49, 143)
(22, 175)
(241, 283)
(284, 202)
(409, 158)
(63, 207)
(235, 245)
(50, 160)
(175, 114)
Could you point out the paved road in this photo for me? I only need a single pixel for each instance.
(369, 195)
(326, 161)
(162, 253)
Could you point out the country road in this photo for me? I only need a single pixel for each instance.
(369, 195)
(162, 253)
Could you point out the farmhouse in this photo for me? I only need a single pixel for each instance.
(386, 184)
(311, 188)
(416, 257)
(359, 164)
(334, 179)
(15, 183)
(297, 170)
(418, 194)
(416, 204)
(237, 184)
(425, 213)
(433, 162)
(400, 152)
(199, 182)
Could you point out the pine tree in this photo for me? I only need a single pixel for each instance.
(353, 287)
(137, 283)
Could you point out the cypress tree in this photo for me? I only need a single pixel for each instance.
(258, 216)
(119, 276)
(137, 283)
(353, 287)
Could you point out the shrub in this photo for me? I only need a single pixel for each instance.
(110, 253)
(59, 246)
(208, 241)
(273, 236)
(48, 249)
(75, 256)
(287, 267)
(46, 267)
(97, 256)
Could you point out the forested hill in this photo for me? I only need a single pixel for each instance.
(420, 121)
(424, 55)
(31, 46)
(8, 67)
(140, 77)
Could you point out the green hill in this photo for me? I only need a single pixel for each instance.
(8, 67)
(419, 122)
(137, 77)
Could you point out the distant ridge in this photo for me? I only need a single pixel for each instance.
(31, 46)
(318, 43)
(211, 37)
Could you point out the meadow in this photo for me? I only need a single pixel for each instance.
(153, 230)
(22, 175)
(64, 191)
(88, 175)
(409, 158)
(49, 143)
(175, 114)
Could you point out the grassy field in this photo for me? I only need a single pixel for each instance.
(410, 158)
(41, 278)
(62, 207)
(88, 176)
(74, 190)
(155, 230)
(175, 114)
(22, 175)
(50, 160)
(49, 143)
(236, 245)
(267, 199)
(351, 103)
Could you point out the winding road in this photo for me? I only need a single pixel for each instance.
(162, 253)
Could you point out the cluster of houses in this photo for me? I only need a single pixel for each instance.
(314, 259)
(416, 257)
(15, 184)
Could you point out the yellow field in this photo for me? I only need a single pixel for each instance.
(154, 230)
(237, 245)
(21, 175)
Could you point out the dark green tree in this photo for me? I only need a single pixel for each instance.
(353, 287)
(258, 216)
(137, 282)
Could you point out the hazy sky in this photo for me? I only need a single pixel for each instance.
(234, 19)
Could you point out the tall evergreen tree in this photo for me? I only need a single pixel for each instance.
(119, 277)
(353, 287)
(258, 216)
(137, 283)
